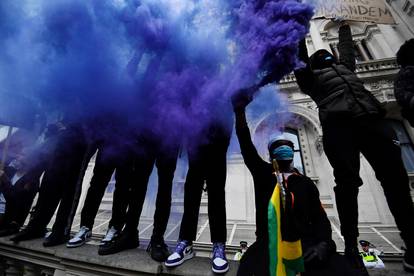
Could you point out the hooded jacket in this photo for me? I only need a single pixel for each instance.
(336, 89)
(404, 92)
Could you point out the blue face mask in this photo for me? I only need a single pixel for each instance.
(283, 153)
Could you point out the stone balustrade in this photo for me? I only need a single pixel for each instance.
(367, 69)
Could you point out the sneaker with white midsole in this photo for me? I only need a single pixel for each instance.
(183, 251)
(110, 235)
(219, 263)
(83, 236)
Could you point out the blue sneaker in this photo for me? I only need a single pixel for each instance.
(183, 251)
(83, 236)
(219, 260)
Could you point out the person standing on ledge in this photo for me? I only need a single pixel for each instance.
(207, 164)
(353, 123)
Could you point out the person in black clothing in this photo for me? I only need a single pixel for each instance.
(404, 93)
(58, 188)
(207, 159)
(21, 193)
(19, 196)
(404, 83)
(311, 220)
(149, 150)
(111, 156)
(352, 123)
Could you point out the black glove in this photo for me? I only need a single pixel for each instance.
(317, 255)
(243, 97)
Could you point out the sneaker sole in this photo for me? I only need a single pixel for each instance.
(106, 242)
(408, 267)
(220, 271)
(180, 262)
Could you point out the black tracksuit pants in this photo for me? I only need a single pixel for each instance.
(59, 183)
(256, 262)
(377, 141)
(109, 159)
(20, 200)
(207, 163)
(150, 151)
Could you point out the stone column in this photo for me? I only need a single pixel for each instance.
(362, 50)
(335, 49)
(47, 271)
(393, 38)
(14, 268)
(59, 272)
(31, 270)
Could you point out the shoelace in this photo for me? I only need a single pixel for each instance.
(81, 232)
(180, 247)
(218, 251)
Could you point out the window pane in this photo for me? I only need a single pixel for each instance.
(407, 150)
(297, 161)
(293, 137)
(408, 157)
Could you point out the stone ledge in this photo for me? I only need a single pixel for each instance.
(85, 260)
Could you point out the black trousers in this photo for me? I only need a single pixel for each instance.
(151, 151)
(20, 200)
(207, 163)
(255, 261)
(59, 183)
(377, 141)
(336, 265)
(109, 158)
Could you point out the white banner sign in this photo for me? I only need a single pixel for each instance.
(355, 10)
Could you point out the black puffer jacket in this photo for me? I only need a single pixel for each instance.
(337, 90)
(404, 92)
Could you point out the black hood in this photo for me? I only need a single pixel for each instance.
(319, 59)
(405, 56)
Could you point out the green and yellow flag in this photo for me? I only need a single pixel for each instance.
(285, 256)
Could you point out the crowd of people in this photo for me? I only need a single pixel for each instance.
(352, 121)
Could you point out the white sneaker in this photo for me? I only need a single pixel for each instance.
(183, 251)
(110, 235)
(219, 263)
(83, 236)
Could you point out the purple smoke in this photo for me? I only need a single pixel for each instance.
(168, 65)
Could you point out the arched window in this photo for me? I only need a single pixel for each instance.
(272, 127)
